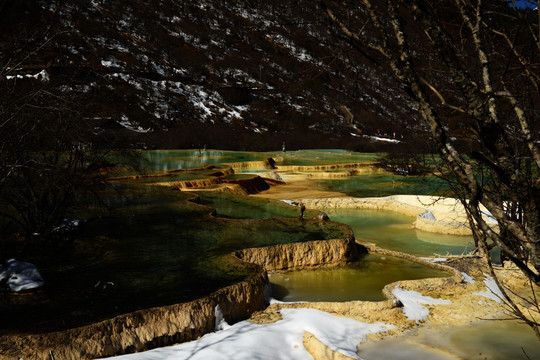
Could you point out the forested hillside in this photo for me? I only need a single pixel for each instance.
(225, 74)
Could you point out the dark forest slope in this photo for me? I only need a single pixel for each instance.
(228, 74)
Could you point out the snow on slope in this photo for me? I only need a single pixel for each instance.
(280, 340)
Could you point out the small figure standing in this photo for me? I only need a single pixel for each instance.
(302, 209)
(283, 147)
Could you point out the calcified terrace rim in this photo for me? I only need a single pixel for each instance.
(166, 325)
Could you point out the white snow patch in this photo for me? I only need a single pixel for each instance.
(493, 292)
(112, 63)
(221, 324)
(280, 340)
(435, 260)
(125, 122)
(182, 72)
(159, 69)
(43, 75)
(276, 301)
(428, 215)
(489, 216)
(467, 278)
(69, 224)
(300, 53)
(412, 303)
(20, 275)
(382, 139)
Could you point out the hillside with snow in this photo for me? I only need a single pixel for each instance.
(225, 74)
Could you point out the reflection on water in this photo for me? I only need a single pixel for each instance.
(323, 157)
(391, 230)
(158, 249)
(165, 160)
(361, 280)
(484, 340)
(188, 159)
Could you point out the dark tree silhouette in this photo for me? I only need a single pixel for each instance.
(49, 160)
(471, 68)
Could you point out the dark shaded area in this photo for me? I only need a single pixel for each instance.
(155, 249)
(231, 75)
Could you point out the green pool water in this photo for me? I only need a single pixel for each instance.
(391, 230)
(384, 184)
(487, 339)
(361, 280)
(179, 271)
(180, 176)
(164, 160)
(495, 340)
(242, 207)
(323, 157)
(388, 229)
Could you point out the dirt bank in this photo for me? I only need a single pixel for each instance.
(290, 190)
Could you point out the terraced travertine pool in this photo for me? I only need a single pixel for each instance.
(157, 248)
(160, 247)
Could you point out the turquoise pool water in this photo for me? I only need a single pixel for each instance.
(384, 184)
(164, 160)
(391, 230)
(154, 248)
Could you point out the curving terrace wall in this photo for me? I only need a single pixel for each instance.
(301, 255)
(167, 325)
(143, 329)
(252, 185)
(366, 167)
(446, 215)
(267, 164)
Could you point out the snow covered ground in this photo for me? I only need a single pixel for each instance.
(284, 338)
(412, 303)
(280, 340)
(19, 276)
(493, 291)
